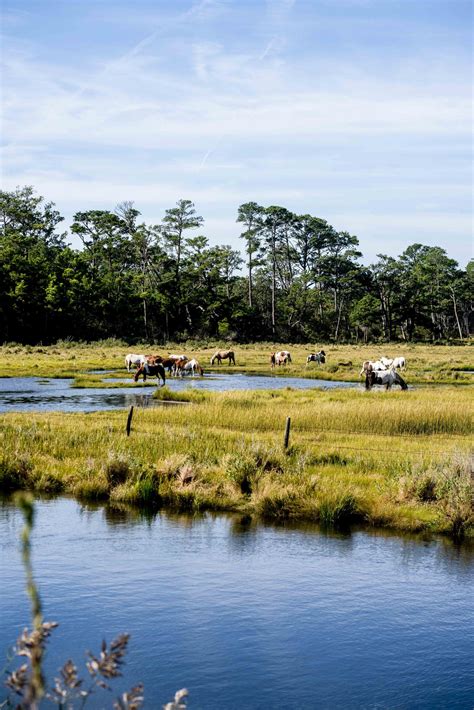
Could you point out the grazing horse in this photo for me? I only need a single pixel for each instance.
(223, 355)
(320, 358)
(376, 366)
(387, 378)
(399, 362)
(280, 358)
(151, 369)
(190, 367)
(133, 360)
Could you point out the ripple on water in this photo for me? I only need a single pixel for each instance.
(32, 394)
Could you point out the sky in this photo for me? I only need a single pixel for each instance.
(355, 111)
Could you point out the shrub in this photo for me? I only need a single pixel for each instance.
(14, 474)
(341, 510)
(455, 490)
(117, 470)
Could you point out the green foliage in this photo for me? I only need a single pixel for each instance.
(156, 283)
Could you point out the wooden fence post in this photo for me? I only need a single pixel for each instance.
(287, 431)
(129, 420)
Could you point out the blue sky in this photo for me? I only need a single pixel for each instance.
(357, 111)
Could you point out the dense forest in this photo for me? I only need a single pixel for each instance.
(296, 280)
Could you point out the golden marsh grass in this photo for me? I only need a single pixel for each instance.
(351, 455)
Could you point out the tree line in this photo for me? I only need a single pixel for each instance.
(300, 281)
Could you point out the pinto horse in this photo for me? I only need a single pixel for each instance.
(376, 366)
(133, 360)
(387, 379)
(282, 357)
(151, 369)
(223, 355)
(320, 358)
(189, 367)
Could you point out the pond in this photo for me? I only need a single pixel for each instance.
(246, 615)
(19, 394)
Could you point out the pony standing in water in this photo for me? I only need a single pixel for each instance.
(223, 355)
(387, 379)
(189, 367)
(151, 368)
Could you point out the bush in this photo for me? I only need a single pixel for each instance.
(14, 475)
(339, 511)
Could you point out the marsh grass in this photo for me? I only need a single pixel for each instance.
(426, 363)
(353, 455)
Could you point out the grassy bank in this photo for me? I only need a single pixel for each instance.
(398, 459)
(426, 364)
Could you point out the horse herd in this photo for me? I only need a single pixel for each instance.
(177, 365)
(378, 372)
(384, 372)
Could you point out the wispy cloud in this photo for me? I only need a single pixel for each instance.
(222, 99)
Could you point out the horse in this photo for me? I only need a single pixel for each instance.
(223, 355)
(178, 357)
(151, 369)
(191, 366)
(387, 379)
(320, 358)
(387, 361)
(399, 362)
(134, 360)
(169, 364)
(377, 366)
(282, 357)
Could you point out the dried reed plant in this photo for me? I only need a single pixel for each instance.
(27, 686)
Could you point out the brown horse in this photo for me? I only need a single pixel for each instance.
(169, 364)
(223, 355)
(151, 369)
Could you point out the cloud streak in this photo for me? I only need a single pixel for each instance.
(225, 101)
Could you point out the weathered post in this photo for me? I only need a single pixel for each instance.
(129, 420)
(287, 431)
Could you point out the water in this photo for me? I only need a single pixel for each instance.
(19, 394)
(248, 616)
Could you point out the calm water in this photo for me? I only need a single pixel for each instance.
(19, 394)
(249, 616)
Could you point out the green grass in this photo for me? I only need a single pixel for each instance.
(391, 459)
(428, 364)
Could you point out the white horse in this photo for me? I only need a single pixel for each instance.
(133, 360)
(178, 357)
(191, 367)
(386, 379)
(399, 363)
(387, 361)
(377, 366)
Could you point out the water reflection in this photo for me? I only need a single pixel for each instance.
(248, 614)
(18, 394)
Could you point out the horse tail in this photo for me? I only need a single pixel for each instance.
(212, 359)
(272, 359)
